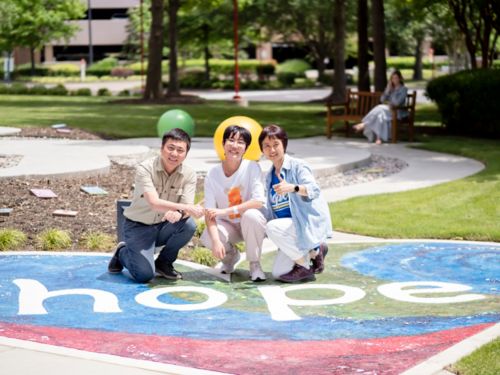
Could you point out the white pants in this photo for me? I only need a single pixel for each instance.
(251, 229)
(282, 232)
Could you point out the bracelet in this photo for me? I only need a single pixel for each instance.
(181, 212)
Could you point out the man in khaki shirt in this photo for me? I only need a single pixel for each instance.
(160, 213)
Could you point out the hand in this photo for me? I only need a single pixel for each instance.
(218, 250)
(283, 187)
(172, 216)
(212, 213)
(195, 210)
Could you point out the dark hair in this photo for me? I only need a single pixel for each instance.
(398, 73)
(177, 134)
(274, 131)
(232, 130)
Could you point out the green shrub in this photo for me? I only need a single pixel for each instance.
(25, 70)
(64, 70)
(103, 92)
(97, 241)
(124, 93)
(286, 78)
(193, 78)
(264, 71)
(58, 90)
(53, 239)
(203, 256)
(84, 91)
(18, 89)
(38, 90)
(496, 64)
(102, 67)
(240, 246)
(11, 239)
(295, 66)
(408, 62)
(468, 101)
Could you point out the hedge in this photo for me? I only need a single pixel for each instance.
(469, 101)
(408, 62)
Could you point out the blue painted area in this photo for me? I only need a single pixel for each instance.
(64, 272)
(477, 266)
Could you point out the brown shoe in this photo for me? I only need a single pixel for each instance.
(298, 273)
(318, 263)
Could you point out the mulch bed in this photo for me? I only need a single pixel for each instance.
(32, 215)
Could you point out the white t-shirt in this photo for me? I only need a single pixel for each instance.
(245, 184)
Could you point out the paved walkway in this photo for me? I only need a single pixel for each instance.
(65, 157)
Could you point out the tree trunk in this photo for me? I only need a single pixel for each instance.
(173, 73)
(363, 72)
(32, 59)
(153, 88)
(339, 80)
(417, 68)
(206, 51)
(379, 44)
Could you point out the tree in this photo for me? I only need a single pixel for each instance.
(307, 22)
(153, 89)
(378, 27)
(478, 22)
(362, 22)
(173, 73)
(38, 22)
(339, 79)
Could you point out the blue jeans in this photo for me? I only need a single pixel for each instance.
(137, 256)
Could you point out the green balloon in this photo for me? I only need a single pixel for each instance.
(175, 118)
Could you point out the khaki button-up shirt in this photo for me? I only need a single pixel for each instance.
(179, 187)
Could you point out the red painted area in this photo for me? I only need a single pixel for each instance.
(370, 356)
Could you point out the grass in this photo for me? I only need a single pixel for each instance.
(54, 239)
(100, 115)
(11, 239)
(464, 209)
(97, 241)
(483, 361)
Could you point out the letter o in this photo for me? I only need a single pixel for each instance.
(150, 298)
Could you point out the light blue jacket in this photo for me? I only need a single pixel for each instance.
(310, 215)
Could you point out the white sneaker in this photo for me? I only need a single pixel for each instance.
(256, 273)
(230, 261)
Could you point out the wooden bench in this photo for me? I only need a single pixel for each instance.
(359, 103)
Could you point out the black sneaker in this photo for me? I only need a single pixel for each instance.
(168, 272)
(114, 265)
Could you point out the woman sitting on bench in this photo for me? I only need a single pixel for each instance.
(376, 125)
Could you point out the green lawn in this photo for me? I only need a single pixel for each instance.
(465, 209)
(102, 116)
(483, 361)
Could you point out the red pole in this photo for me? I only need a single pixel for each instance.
(142, 47)
(236, 68)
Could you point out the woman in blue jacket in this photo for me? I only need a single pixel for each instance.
(300, 219)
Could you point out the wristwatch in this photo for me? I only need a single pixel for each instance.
(296, 188)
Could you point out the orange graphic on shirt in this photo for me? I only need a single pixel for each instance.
(234, 198)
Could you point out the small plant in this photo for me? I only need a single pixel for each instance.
(124, 93)
(200, 227)
(97, 241)
(103, 92)
(11, 239)
(83, 92)
(53, 239)
(240, 246)
(204, 256)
